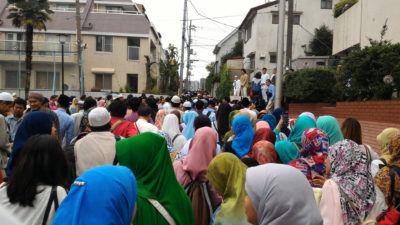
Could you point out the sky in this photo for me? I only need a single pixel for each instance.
(167, 18)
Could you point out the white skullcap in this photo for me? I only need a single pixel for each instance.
(99, 117)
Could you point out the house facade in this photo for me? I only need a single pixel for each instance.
(365, 20)
(260, 31)
(117, 36)
(225, 46)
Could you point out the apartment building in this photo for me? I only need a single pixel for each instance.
(260, 31)
(117, 37)
(225, 46)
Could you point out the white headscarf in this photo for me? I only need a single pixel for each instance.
(171, 126)
(309, 114)
(281, 194)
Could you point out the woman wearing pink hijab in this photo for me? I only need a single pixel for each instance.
(194, 167)
(261, 125)
(101, 103)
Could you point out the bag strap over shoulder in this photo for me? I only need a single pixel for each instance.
(176, 136)
(52, 198)
(162, 211)
(116, 124)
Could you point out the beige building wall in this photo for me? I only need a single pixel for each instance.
(365, 20)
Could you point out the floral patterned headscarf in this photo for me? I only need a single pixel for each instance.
(350, 171)
(313, 153)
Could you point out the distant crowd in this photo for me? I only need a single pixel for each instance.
(190, 160)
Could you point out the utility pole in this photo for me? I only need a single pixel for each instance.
(289, 40)
(281, 36)
(188, 55)
(79, 42)
(183, 47)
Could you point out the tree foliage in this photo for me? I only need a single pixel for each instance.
(169, 70)
(309, 85)
(30, 14)
(225, 86)
(363, 70)
(340, 6)
(236, 51)
(321, 44)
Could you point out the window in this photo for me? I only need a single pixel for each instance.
(65, 7)
(12, 79)
(252, 63)
(44, 80)
(104, 44)
(272, 57)
(326, 4)
(133, 48)
(114, 9)
(53, 45)
(248, 32)
(275, 19)
(240, 36)
(103, 81)
(296, 19)
(14, 42)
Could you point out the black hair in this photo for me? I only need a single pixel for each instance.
(134, 103)
(117, 108)
(250, 162)
(176, 105)
(40, 162)
(268, 80)
(144, 111)
(243, 70)
(223, 119)
(129, 96)
(212, 103)
(63, 100)
(258, 75)
(44, 101)
(245, 102)
(227, 99)
(89, 103)
(83, 97)
(109, 97)
(199, 105)
(201, 121)
(106, 127)
(264, 68)
(20, 101)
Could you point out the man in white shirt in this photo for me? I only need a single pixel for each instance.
(142, 124)
(264, 87)
(98, 147)
(273, 76)
(6, 101)
(236, 86)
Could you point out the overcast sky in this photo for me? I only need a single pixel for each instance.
(167, 17)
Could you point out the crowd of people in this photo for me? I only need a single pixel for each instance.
(189, 160)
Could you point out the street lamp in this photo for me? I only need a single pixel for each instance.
(62, 39)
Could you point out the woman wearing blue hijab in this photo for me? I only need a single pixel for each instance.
(188, 119)
(34, 123)
(271, 120)
(103, 195)
(244, 134)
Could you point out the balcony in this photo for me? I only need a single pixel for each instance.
(123, 12)
(42, 51)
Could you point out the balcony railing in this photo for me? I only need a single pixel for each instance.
(116, 12)
(133, 53)
(55, 9)
(40, 48)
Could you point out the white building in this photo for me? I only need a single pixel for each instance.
(260, 31)
(194, 85)
(225, 46)
(365, 20)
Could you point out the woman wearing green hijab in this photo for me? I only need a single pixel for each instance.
(290, 149)
(148, 158)
(330, 125)
(227, 174)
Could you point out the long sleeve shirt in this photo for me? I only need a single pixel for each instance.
(5, 147)
(244, 80)
(271, 89)
(13, 124)
(67, 126)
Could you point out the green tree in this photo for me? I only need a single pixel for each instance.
(169, 70)
(321, 44)
(310, 85)
(30, 14)
(363, 70)
(339, 7)
(225, 86)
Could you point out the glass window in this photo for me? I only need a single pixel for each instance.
(44, 80)
(133, 48)
(275, 19)
(12, 79)
(103, 81)
(272, 57)
(248, 32)
(114, 9)
(326, 4)
(296, 19)
(104, 43)
(134, 41)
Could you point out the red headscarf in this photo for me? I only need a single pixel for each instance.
(265, 152)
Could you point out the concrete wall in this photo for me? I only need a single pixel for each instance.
(365, 20)
(264, 33)
(225, 48)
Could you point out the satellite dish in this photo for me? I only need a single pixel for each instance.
(388, 79)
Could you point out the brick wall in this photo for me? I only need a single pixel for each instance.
(374, 116)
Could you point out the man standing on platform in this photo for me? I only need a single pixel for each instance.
(244, 83)
(236, 86)
(264, 87)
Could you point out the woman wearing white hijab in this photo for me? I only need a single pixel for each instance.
(279, 194)
(171, 126)
(309, 114)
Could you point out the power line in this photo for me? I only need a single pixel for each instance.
(218, 17)
(315, 37)
(209, 18)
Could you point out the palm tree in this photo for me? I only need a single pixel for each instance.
(31, 14)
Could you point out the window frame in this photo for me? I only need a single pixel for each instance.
(49, 87)
(136, 46)
(325, 4)
(273, 55)
(7, 85)
(102, 86)
(103, 45)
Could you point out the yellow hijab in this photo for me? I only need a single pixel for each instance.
(227, 174)
(383, 138)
